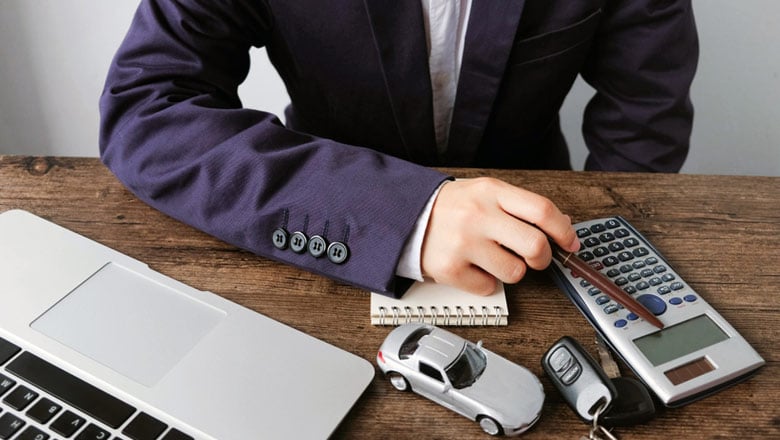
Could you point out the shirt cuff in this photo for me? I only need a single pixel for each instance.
(409, 265)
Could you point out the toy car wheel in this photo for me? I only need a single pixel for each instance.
(489, 425)
(398, 381)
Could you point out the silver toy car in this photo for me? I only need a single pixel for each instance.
(502, 396)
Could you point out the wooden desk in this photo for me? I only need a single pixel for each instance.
(721, 233)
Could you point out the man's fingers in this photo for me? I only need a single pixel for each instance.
(471, 279)
(539, 211)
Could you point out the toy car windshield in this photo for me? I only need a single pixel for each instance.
(467, 367)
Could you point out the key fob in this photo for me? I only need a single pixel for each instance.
(631, 406)
(581, 381)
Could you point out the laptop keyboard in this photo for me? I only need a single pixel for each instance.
(43, 402)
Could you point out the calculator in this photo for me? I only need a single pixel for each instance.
(696, 354)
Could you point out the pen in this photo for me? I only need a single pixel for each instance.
(598, 280)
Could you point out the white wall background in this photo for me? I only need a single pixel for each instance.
(55, 53)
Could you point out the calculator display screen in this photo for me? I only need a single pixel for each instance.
(680, 339)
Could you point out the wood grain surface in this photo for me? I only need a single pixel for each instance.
(721, 233)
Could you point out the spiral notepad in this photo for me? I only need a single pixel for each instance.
(441, 305)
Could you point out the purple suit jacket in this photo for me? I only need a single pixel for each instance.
(351, 163)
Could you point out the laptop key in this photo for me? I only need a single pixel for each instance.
(20, 398)
(32, 433)
(7, 350)
(43, 411)
(175, 434)
(144, 427)
(93, 432)
(67, 424)
(9, 424)
(6, 384)
(82, 395)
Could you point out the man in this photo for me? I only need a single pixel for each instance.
(381, 90)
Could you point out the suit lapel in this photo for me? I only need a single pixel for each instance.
(399, 34)
(489, 39)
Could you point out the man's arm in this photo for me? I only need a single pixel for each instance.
(174, 132)
(642, 64)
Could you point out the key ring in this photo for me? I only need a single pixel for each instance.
(596, 428)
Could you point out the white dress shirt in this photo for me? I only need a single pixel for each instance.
(445, 29)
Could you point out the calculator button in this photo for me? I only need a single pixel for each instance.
(620, 323)
(606, 237)
(593, 291)
(634, 277)
(592, 241)
(641, 252)
(620, 233)
(659, 269)
(586, 256)
(612, 273)
(597, 228)
(655, 281)
(610, 261)
(630, 242)
(632, 316)
(664, 290)
(583, 232)
(676, 285)
(638, 264)
(675, 301)
(646, 273)
(653, 303)
(642, 285)
(651, 260)
(600, 251)
(611, 308)
(615, 246)
(612, 224)
(622, 281)
(667, 277)
(630, 290)
(583, 283)
(625, 256)
(603, 299)
(690, 298)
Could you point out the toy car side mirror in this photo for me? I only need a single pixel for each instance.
(479, 344)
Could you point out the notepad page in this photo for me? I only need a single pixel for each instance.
(439, 304)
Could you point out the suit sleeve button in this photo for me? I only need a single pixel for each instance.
(338, 252)
(298, 242)
(281, 238)
(317, 246)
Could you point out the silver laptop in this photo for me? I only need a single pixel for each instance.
(95, 344)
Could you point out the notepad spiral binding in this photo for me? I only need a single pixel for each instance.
(396, 316)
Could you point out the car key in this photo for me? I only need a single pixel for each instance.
(580, 380)
(633, 404)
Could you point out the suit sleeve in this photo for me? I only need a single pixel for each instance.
(174, 132)
(642, 63)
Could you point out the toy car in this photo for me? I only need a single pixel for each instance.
(503, 397)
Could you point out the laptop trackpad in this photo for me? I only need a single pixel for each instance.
(129, 323)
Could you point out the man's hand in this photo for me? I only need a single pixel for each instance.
(485, 229)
